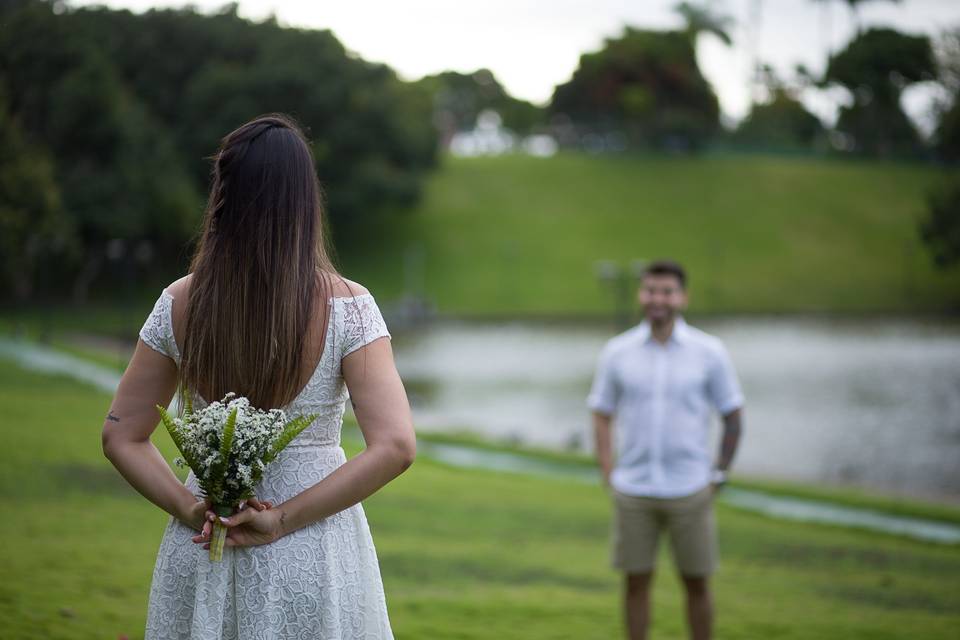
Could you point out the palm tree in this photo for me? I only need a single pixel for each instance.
(700, 19)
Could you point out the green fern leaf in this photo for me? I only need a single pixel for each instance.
(220, 470)
(290, 431)
(177, 438)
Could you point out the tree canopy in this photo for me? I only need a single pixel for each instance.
(125, 108)
(781, 121)
(646, 84)
(875, 68)
(458, 98)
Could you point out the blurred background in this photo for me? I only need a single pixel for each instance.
(497, 174)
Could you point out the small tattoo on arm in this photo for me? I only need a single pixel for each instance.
(112, 417)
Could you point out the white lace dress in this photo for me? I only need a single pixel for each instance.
(321, 582)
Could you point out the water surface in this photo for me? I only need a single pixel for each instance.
(870, 403)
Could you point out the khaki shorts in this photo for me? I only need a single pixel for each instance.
(638, 522)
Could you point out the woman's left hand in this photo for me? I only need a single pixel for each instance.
(198, 516)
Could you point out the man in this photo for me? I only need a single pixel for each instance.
(660, 381)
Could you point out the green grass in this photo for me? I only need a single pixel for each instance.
(848, 496)
(518, 235)
(855, 497)
(464, 554)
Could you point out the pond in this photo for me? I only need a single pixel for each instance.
(873, 403)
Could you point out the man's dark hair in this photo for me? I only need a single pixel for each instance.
(666, 268)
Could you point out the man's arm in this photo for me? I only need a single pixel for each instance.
(601, 433)
(732, 427)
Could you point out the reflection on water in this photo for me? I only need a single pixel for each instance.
(869, 403)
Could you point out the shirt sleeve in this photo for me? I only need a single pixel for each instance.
(157, 330)
(605, 392)
(362, 323)
(722, 383)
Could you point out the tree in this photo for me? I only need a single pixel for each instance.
(701, 19)
(126, 108)
(947, 134)
(781, 121)
(119, 178)
(645, 85)
(458, 98)
(373, 140)
(33, 227)
(875, 68)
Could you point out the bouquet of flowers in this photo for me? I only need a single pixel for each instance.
(228, 444)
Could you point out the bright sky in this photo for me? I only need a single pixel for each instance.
(533, 45)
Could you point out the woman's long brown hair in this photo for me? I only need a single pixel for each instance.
(260, 267)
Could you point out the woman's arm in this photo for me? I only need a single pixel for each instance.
(150, 380)
(383, 413)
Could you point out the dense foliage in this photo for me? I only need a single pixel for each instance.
(645, 85)
(941, 228)
(115, 113)
(781, 121)
(875, 68)
(458, 98)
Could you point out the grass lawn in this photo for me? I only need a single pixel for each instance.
(464, 554)
(519, 235)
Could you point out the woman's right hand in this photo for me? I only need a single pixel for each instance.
(250, 527)
(204, 517)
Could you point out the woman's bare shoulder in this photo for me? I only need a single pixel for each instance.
(344, 288)
(180, 289)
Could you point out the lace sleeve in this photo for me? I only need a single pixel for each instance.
(362, 323)
(157, 331)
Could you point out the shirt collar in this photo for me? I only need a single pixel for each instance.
(679, 334)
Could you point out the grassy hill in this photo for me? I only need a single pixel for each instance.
(519, 235)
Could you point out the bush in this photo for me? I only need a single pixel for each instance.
(941, 229)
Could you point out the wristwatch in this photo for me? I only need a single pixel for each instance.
(718, 476)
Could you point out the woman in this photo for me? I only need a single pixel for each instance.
(264, 314)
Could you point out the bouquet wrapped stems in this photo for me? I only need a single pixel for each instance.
(218, 536)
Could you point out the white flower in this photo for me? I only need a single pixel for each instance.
(255, 432)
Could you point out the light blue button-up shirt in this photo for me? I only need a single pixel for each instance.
(662, 396)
